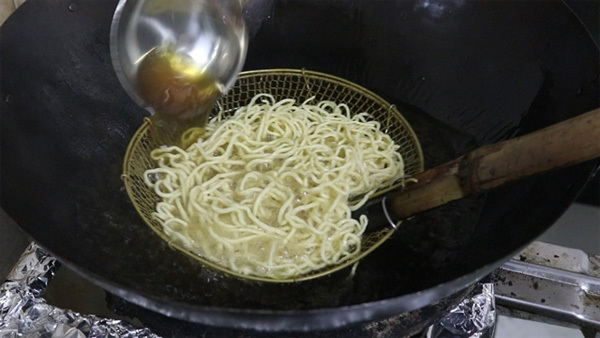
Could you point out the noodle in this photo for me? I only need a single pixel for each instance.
(268, 192)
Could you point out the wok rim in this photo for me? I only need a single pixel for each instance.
(270, 320)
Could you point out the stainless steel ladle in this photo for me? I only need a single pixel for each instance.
(177, 57)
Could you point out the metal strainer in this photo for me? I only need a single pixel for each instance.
(281, 83)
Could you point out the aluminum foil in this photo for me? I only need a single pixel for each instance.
(474, 317)
(24, 313)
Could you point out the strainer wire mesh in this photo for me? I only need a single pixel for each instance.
(281, 83)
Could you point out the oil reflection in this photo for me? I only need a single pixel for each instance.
(437, 8)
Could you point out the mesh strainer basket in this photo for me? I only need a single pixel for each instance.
(281, 83)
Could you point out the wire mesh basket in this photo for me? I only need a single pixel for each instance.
(281, 83)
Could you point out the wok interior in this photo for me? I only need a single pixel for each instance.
(463, 73)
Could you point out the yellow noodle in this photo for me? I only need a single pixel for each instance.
(267, 191)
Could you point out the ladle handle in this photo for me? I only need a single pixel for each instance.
(566, 143)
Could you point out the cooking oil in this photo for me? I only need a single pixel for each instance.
(181, 94)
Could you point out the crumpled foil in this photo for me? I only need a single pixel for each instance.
(24, 313)
(474, 317)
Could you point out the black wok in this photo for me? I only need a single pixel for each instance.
(464, 74)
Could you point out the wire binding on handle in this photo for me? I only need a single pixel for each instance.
(387, 214)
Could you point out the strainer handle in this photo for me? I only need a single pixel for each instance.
(563, 144)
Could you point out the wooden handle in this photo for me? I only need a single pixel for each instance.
(570, 142)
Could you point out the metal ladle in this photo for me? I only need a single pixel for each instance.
(176, 58)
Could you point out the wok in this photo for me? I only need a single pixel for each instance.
(463, 73)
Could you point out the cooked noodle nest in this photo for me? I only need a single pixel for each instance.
(269, 191)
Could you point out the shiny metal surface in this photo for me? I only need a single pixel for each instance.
(212, 33)
(553, 284)
(26, 313)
